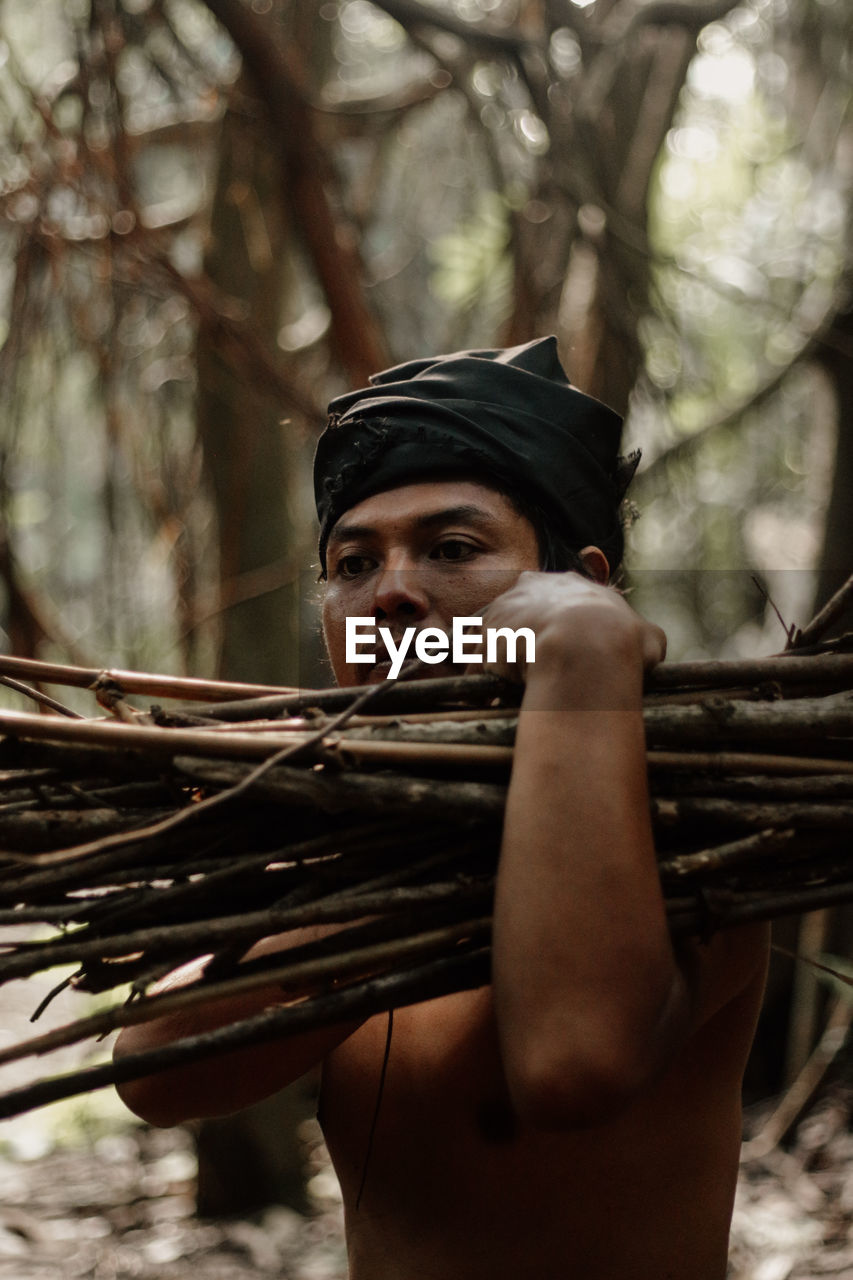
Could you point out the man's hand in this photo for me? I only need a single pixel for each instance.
(574, 620)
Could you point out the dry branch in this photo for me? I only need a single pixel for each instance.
(151, 844)
(152, 686)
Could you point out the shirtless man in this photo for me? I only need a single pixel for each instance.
(580, 1118)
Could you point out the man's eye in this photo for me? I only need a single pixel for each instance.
(352, 566)
(453, 549)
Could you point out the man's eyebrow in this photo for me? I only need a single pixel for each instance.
(467, 513)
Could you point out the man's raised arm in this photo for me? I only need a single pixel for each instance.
(592, 998)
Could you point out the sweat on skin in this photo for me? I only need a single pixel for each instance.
(433, 645)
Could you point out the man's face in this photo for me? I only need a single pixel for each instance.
(418, 556)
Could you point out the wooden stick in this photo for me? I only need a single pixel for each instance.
(724, 720)
(798, 1096)
(747, 762)
(140, 682)
(723, 856)
(723, 909)
(750, 815)
(718, 720)
(41, 698)
(788, 666)
(720, 674)
(363, 999)
(130, 737)
(208, 935)
(831, 611)
(191, 812)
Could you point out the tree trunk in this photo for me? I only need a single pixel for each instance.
(252, 1159)
(245, 444)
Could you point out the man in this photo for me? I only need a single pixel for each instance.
(581, 1116)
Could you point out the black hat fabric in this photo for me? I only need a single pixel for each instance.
(509, 416)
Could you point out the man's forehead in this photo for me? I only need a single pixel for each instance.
(425, 505)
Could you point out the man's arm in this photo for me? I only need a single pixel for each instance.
(227, 1082)
(592, 999)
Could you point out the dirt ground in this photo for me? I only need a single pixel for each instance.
(793, 1217)
(121, 1207)
(85, 1191)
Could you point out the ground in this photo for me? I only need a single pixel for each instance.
(121, 1207)
(793, 1216)
(86, 1192)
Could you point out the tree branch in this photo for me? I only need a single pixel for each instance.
(358, 341)
(820, 624)
(731, 417)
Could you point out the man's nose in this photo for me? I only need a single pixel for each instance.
(400, 594)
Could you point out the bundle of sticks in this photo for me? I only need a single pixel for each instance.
(146, 837)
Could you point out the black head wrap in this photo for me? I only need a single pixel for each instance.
(510, 417)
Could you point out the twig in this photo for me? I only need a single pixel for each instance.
(41, 698)
(794, 1102)
(768, 599)
(721, 721)
(208, 935)
(724, 856)
(747, 762)
(155, 686)
(277, 970)
(360, 1000)
(723, 909)
(822, 621)
(191, 812)
(720, 674)
(749, 815)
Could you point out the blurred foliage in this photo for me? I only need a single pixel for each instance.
(751, 225)
(100, 468)
(472, 263)
(673, 201)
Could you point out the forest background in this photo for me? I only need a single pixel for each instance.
(217, 214)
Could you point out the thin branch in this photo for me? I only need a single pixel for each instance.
(683, 448)
(41, 698)
(192, 812)
(749, 763)
(155, 686)
(734, 853)
(828, 615)
(364, 999)
(786, 668)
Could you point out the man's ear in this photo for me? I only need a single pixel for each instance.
(595, 562)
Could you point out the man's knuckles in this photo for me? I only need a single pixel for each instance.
(567, 611)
